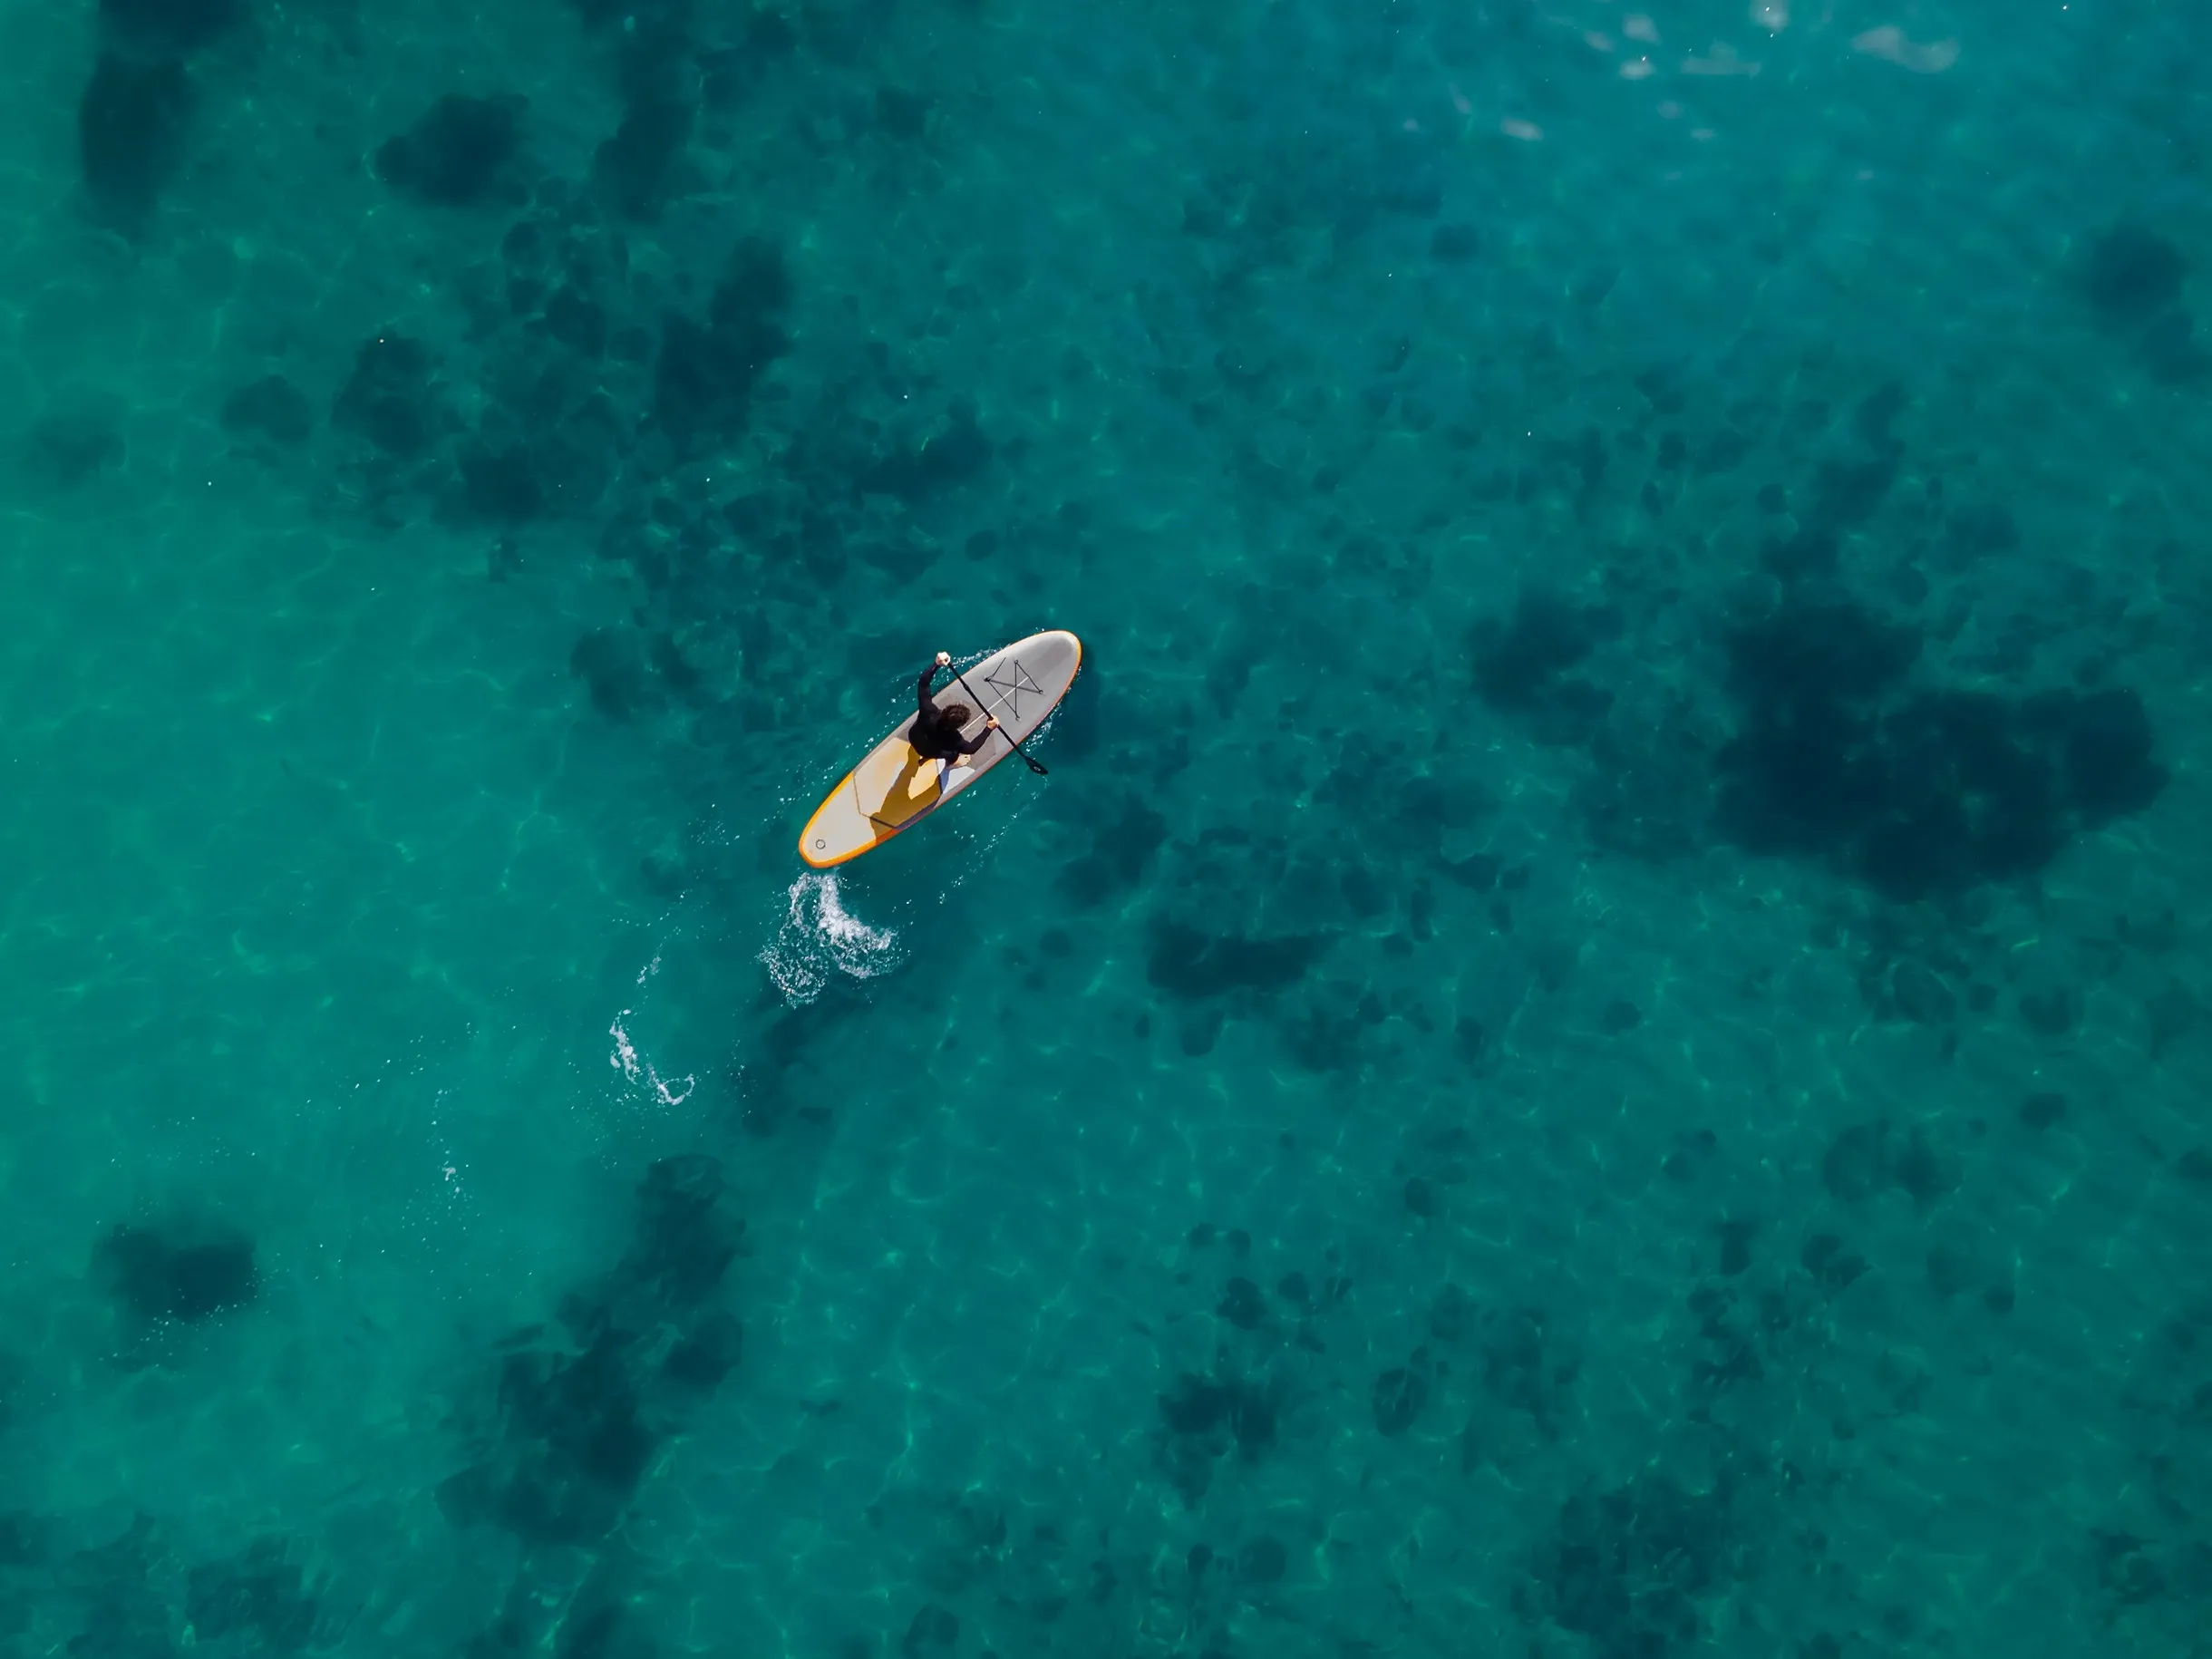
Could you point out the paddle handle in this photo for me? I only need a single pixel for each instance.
(1035, 765)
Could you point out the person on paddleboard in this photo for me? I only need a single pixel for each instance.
(935, 736)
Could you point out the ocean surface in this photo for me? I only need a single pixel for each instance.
(1594, 1048)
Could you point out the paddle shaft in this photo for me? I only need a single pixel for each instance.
(1035, 766)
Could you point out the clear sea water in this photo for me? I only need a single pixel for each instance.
(1594, 1045)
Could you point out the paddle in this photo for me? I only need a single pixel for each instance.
(1035, 765)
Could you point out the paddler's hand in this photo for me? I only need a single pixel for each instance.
(990, 722)
(945, 659)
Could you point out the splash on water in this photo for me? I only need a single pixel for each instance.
(637, 1069)
(820, 939)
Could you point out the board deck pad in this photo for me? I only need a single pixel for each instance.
(893, 786)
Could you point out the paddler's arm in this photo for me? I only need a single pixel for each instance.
(969, 745)
(924, 709)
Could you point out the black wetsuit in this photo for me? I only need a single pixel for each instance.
(934, 737)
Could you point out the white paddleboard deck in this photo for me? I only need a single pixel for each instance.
(894, 787)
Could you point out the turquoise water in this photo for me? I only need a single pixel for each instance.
(1593, 1046)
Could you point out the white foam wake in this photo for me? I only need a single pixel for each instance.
(820, 938)
(637, 1070)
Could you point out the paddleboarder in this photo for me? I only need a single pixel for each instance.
(936, 734)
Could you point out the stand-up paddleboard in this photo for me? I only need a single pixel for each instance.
(895, 787)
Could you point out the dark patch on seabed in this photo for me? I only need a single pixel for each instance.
(582, 1410)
